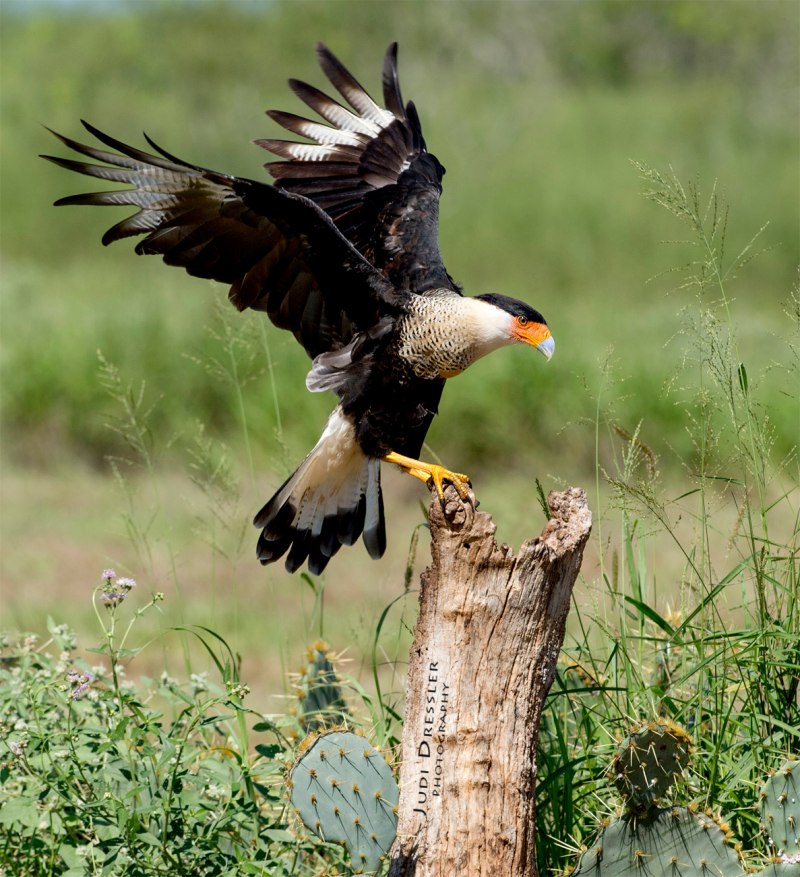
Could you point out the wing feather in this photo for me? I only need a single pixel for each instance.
(392, 96)
(314, 130)
(369, 169)
(331, 110)
(350, 89)
(279, 251)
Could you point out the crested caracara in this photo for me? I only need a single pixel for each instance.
(343, 251)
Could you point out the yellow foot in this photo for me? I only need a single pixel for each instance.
(430, 472)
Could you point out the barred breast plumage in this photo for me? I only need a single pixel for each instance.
(442, 333)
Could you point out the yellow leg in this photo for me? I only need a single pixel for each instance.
(431, 472)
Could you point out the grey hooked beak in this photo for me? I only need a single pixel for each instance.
(547, 347)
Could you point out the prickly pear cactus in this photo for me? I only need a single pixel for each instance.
(320, 700)
(678, 841)
(346, 793)
(779, 809)
(648, 761)
(663, 843)
(781, 868)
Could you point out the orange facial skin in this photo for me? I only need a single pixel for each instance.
(534, 334)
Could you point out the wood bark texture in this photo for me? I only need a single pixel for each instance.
(486, 643)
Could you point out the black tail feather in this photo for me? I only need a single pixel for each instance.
(299, 551)
(322, 534)
(269, 550)
(350, 523)
(375, 525)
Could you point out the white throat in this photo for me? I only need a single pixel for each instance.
(489, 326)
(445, 334)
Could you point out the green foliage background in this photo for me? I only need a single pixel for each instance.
(688, 602)
(534, 108)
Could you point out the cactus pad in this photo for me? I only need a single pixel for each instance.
(320, 697)
(648, 761)
(666, 842)
(346, 793)
(781, 869)
(779, 809)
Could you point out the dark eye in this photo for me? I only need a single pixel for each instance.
(523, 321)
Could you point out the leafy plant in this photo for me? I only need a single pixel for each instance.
(104, 777)
(716, 651)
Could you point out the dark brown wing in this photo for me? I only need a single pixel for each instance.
(279, 252)
(368, 168)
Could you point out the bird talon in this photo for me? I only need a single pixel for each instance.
(432, 473)
(439, 475)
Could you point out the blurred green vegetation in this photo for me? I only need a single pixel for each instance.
(535, 109)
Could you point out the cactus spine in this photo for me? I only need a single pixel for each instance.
(648, 761)
(658, 842)
(346, 793)
(319, 694)
(779, 809)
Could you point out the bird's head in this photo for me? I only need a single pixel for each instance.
(522, 323)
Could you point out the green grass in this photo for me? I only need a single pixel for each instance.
(540, 201)
(717, 650)
(673, 400)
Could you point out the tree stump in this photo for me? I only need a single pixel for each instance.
(486, 643)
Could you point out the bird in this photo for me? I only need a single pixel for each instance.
(342, 250)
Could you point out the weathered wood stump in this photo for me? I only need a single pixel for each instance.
(486, 643)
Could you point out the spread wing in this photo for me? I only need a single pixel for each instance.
(279, 252)
(369, 169)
